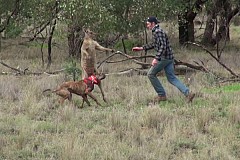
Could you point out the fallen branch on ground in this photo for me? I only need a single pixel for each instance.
(226, 80)
(26, 71)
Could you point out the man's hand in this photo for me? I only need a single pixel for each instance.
(154, 62)
(137, 48)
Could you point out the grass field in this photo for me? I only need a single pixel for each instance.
(35, 126)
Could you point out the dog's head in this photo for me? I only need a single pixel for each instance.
(101, 76)
(94, 79)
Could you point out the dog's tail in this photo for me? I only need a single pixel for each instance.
(47, 90)
(50, 90)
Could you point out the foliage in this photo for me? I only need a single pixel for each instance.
(106, 17)
(72, 70)
(83, 13)
(13, 30)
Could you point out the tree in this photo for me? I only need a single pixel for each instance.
(220, 13)
(8, 11)
(76, 15)
(185, 20)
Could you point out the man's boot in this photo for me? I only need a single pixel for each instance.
(190, 97)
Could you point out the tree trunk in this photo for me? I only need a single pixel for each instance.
(185, 21)
(52, 29)
(50, 43)
(191, 14)
(223, 7)
(226, 16)
(208, 32)
(191, 36)
(186, 29)
(222, 33)
(223, 22)
(74, 41)
(0, 35)
(0, 42)
(182, 29)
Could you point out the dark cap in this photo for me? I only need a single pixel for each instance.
(153, 19)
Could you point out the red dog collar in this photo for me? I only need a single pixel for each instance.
(93, 79)
(90, 81)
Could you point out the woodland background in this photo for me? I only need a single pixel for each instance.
(40, 48)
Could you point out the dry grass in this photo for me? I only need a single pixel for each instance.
(34, 126)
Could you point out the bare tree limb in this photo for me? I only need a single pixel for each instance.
(145, 65)
(106, 59)
(12, 68)
(26, 71)
(214, 57)
(39, 31)
(198, 67)
(230, 80)
(44, 26)
(135, 57)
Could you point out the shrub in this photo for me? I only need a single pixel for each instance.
(72, 70)
(13, 30)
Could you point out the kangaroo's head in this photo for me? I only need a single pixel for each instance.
(89, 34)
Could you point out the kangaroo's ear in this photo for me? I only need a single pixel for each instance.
(84, 29)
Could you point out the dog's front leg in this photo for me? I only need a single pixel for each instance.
(85, 100)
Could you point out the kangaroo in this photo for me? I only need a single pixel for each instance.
(88, 56)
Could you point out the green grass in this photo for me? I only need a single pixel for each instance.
(225, 89)
(35, 126)
(236, 29)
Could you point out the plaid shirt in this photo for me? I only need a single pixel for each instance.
(160, 44)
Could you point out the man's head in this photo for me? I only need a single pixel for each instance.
(151, 22)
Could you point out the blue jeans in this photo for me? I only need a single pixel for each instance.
(168, 67)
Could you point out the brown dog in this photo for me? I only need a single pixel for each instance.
(82, 88)
(88, 56)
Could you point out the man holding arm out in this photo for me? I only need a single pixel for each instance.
(164, 60)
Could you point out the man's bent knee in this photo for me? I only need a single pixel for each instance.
(151, 76)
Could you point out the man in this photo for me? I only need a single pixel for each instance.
(164, 60)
